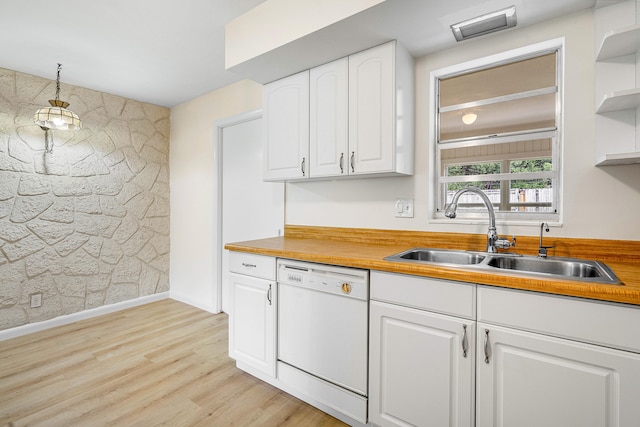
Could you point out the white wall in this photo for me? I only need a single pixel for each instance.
(193, 179)
(598, 202)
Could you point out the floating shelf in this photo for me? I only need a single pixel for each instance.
(620, 159)
(619, 100)
(621, 42)
(617, 134)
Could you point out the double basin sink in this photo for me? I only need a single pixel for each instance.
(567, 268)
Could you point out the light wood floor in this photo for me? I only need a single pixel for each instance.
(163, 363)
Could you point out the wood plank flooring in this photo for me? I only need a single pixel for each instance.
(163, 363)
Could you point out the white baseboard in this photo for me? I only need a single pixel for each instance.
(191, 301)
(81, 315)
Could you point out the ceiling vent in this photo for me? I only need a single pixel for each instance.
(485, 24)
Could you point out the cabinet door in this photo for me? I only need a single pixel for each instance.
(419, 372)
(372, 110)
(532, 380)
(252, 323)
(286, 121)
(328, 137)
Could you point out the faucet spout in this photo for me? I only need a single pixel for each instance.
(450, 211)
(492, 233)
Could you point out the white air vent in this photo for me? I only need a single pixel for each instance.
(485, 24)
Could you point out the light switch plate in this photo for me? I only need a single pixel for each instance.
(403, 208)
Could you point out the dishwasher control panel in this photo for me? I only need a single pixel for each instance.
(351, 282)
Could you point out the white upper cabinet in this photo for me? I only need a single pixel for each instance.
(359, 118)
(328, 139)
(371, 110)
(286, 121)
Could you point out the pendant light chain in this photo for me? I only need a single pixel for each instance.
(58, 82)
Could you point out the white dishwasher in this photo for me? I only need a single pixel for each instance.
(323, 315)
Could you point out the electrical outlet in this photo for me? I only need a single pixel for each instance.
(36, 300)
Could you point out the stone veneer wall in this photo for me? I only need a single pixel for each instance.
(86, 225)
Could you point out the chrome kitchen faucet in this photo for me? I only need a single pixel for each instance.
(493, 241)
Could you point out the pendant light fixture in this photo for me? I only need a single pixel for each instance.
(469, 118)
(56, 117)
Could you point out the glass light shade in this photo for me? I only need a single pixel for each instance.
(469, 118)
(57, 117)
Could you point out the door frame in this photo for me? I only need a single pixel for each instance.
(217, 197)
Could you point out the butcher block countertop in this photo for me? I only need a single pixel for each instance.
(366, 248)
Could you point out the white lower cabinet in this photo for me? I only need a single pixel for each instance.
(532, 359)
(452, 354)
(551, 361)
(532, 380)
(252, 320)
(421, 366)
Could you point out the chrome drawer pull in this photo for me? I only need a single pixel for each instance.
(465, 344)
(486, 346)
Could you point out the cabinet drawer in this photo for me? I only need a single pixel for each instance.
(602, 323)
(442, 296)
(253, 265)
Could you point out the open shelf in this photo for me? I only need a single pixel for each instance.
(620, 159)
(619, 100)
(617, 138)
(621, 42)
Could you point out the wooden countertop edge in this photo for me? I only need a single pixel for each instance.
(363, 255)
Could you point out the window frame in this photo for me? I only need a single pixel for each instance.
(555, 134)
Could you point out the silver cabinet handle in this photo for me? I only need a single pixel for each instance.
(302, 166)
(341, 162)
(244, 264)
(353, 159)
(486, 346)
(465, 343)
(269, 294)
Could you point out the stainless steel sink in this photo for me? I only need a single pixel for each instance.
(568, 268)
(440, 256)
(565, 267)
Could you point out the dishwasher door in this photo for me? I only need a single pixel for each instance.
(325, 333)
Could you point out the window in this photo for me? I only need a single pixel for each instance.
(497, 129)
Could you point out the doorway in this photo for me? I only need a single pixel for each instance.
(247, 207)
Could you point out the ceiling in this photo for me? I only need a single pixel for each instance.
(166, 52)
